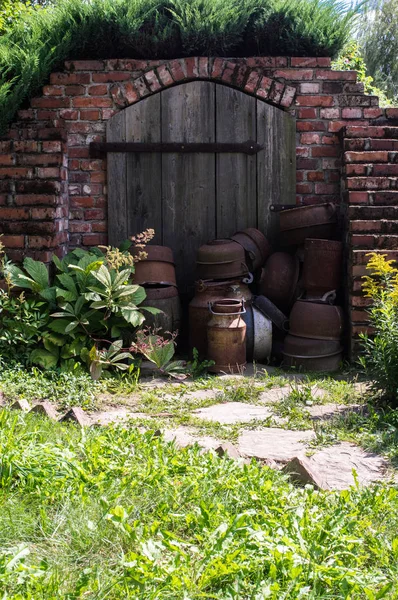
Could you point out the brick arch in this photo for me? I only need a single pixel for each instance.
(250, 80)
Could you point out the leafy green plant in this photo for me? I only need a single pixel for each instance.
(159, 351)
(379, 356)
(72, 29)
(351, 59)
(91, 302)
(197, 367)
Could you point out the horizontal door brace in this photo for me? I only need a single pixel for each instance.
(100, 149)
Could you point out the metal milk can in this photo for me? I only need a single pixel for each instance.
(226, 336)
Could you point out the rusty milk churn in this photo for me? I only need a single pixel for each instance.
(209, 291)
(226, 336)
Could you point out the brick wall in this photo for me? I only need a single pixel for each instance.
(53, 195)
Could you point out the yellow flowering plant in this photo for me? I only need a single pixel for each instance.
(379, 355)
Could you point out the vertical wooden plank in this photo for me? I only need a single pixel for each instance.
(276, 165)
(235, 173)
(144, 180)
(188, 180)
(117, 192)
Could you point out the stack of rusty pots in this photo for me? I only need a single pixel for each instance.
(316, 323)
(156, 274)
(223, 324)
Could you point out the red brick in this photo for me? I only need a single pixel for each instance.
(327, 188)
(98, 177)
(264, 87)
(304, 188)
(84, 65)
(50, 102)
(69, 78)
(79, 227)
(355, 169)
(310, 138)
(26, 115)
(43, 213)
(48, 173)
(110, 77)
(92, 165)
(203, 66)
(315, 100)
(307, 113)
(352, 113)
(14, 214)
(303, 62)
(366, 157)
(367, 131)
(385, 170)
(94, 239)
(98, 90)
(306, 163)
(309, 88)
(331, 140)
(7, 159)
(164, 75)
(276, 92)
(79, 152)
(302, 151)
(321, 151)
(366, 226)
(372, 113)
(392, 113)
(294, 74)
(191, 67)
(315, 176)
(35, 199)
(13, 241)
(131, 93)
(89, 115)
(252, 82)
(69, 114)
(94, 214)
(336, 75)
(16, 173)
(92, 102)
(368, 183)
(330, 113)
(152, 81)
(74, 90)
(288, 96)
(311, 126)
(228, 72)
(82, 202)
(53, 90)
(39, 159)
(176, 70)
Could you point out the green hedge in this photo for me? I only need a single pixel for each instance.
(77, 29)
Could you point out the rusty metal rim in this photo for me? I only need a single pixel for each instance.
(308, 356)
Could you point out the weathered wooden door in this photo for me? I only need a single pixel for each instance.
(192, 198)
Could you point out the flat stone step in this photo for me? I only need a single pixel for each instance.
(230, 413)
(280, 445)
(333, 467)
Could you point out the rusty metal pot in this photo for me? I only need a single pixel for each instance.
(157, 268)
(226, 335)
(322, 266)
(166, 299)
(279, 279)
(221, 259)
(316, 320)
(314, 221)
(327, 364)
(272, 312)
(205, 292)
(256, 246)
(302, 346)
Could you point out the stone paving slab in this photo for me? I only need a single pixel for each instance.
(273, 443)
(229, 413)
(184, 436)
(336, 463)
(115, 415)
(328, 411)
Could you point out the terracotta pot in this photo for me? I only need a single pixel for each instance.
(166, 299)
(314, 221)
(226, 336)
(316, 320)
(279, 279)
(157, 268)
(256, 246)
(221, 259)
(322, 266)
(205, 292)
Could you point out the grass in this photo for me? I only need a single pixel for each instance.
(77, 29)
(115, 514)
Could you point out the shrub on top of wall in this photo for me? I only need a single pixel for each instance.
(78, 29)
